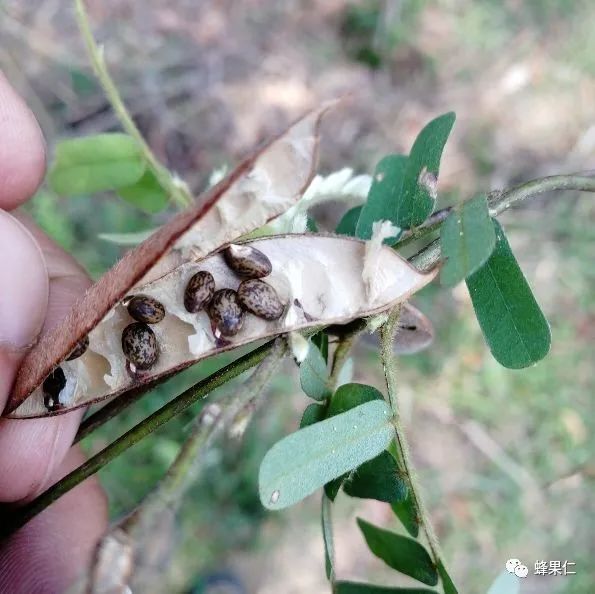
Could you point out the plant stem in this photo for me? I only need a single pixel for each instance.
(387, 336)
(176, 189)
(341, 354)
(130, 438)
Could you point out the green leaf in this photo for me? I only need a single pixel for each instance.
(405, 511)
(332, 487)
(467, 239)
(400, 552)
(95, 164)
(311, 225)
(327, 537)
(357, 588)
(447, 583)
(146, 194)
(512, 323)
(421, 174)
(377, 479)
(305, 460)
(349, 396)
(348, 223)
(314, 374)
(384, 195)
(505, 583)
(320, 339)
(313, 414)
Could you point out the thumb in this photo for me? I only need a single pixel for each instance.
(24, 293)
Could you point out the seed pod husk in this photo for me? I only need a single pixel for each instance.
(143, 308)
(199, 291)
(139, 345)
(79, 349)
(226, 313)
(260, 298)
(246, 261)
(53, 384)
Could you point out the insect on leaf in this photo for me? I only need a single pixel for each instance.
(384, 196)
(512, 323)
(305, 460)
(467, 239)
(314, 374)
(377, 479)
(348, 223)
(146, 194)
(400, 552)
(421, 174)
(359, 588)
(96, 163)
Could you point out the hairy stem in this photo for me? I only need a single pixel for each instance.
(387, 337)
(176, 189)
(341, 354)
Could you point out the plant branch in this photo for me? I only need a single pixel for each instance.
(341, 354)
(176, 189)
(387, 336)
(133, 436)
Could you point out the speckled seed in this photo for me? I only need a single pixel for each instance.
(199, 291)
(246, 261)
(52, 386)
(145, 309)
(140, 345)
(260, 299)
(79, 349)
(226, 312)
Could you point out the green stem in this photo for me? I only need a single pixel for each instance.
(341, 354)
(388, 332)
(176, 189)
(130, 438)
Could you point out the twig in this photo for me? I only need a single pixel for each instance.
(176, 189)
(130, 438)
(344, 344)
(387, 336)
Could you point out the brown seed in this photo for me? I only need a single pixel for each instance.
(139, 345)
(145, 309)
(199, 291)
(53, 384)
(79, 349)
(246, 261)
(226, 312)
(260, 299)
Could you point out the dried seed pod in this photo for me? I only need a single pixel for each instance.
(145, 309)
(246, 261)
(199, 291)
(260, 299)
(79, 349)
(54, 383)
(226, 312)
(139, 345)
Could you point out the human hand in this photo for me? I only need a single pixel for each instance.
(38, 284)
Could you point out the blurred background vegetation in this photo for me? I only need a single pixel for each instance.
(506, 457)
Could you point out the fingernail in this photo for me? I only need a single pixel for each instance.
(24, 285)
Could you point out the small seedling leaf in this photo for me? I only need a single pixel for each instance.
(95, 164)
(313, 414)
(384, 196)
(347, 225)
(405, 511)
(400, 552)
(305, 460)
(146, 194)
(377, 479)
(314, 374)
(467, 239)
(359, 588)
(349, 396)
(447, 584)
(421, 174)
(512, 323)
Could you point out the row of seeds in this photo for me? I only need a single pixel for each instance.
(225, 307)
